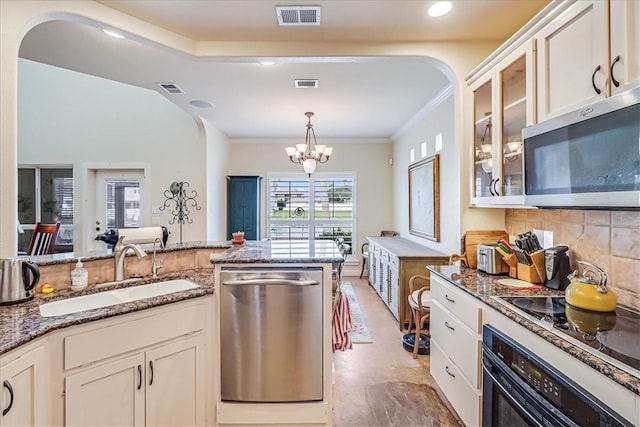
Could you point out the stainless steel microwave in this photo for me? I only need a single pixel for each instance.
(587, 159)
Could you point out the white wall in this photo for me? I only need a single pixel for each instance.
(439, 120)
(69, 118)
(368, 160)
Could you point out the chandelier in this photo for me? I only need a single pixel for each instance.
(307, 155)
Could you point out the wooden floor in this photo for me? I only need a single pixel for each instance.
(380, 384)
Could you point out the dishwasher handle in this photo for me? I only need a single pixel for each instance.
(263, 281)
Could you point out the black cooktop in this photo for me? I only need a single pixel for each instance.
(614, 335)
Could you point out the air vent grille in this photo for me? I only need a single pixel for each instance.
(170, 87)
(298, 15)
(306, 83)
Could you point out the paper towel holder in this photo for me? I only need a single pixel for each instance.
(178, 201)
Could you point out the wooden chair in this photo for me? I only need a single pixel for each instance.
(365, 246)
(43, 239)
(420, 303)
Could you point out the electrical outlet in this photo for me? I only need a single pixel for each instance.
(155, 220)
(545, 237)
(155, 209)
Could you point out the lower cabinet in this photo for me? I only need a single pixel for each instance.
(392, 262)
(24, 398)
(163, 385)
(456, 346)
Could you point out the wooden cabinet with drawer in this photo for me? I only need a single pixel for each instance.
(393, 260)
(456, 345)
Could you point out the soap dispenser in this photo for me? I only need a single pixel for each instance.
(79, 277)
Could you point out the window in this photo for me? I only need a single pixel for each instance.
(319, 207)
(45, 195)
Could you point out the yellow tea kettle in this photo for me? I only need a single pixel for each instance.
(588, 293)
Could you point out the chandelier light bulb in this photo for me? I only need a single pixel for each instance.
(310, 153)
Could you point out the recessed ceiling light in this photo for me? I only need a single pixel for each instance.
(439, 8)
(267, 63)
(201, 104)
(113, 33)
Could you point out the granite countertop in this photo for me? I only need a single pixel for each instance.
(484, 287)
(22, 322)
(72, 257)
(280, 251)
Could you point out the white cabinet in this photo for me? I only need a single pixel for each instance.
(147, 368)
(393, 261)
(176, 383)
(503, 106)
(161, 386)
(588, 53)
(456, 346)
(111, 394)
(24, 377)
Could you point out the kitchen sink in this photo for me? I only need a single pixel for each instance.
(114, 297)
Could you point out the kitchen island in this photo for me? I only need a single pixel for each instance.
(471, 299)
(274, 300)
(149, 361)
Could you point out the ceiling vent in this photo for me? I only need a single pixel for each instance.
(170, 87)
(306, 83)
(298, 15)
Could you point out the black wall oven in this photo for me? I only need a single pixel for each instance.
(519, 389)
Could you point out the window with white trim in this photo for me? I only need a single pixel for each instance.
(318, 207)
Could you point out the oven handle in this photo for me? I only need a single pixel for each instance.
(506, 392)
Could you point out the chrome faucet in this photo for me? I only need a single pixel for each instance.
(119, 252)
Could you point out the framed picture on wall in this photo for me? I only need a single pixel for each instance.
(424, 198)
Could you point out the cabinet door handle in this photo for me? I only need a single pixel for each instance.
(446, 323)
(446, 368)
(449, 299)
(613, 78)
(150, 372)
(495, 187)
(139, 377)
(593, 80)
(491, 187)
(6, 384)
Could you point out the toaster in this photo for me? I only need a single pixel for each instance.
(490, 260)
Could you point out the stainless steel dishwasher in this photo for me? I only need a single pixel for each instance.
(271, 334)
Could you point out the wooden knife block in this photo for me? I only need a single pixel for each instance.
(534, 273)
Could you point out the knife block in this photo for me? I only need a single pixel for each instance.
(534, 273)
(512, 262)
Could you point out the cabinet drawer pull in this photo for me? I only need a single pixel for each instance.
(449, 299)
(613, 78)
(446, 368)
(495, 187)
(139, 377)
(446, 323)
(150, 372)
(6, 384)
(491, 187)
(593, 80)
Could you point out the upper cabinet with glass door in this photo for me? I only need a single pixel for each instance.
(588, 53)
(503, 106)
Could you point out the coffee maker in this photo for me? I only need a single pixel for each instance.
(556, 260)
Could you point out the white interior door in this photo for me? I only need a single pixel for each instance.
(118, 201)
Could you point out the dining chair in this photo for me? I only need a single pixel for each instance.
(420, 302)
(43, 239)
(364, 250)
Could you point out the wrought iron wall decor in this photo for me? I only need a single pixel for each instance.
(178, 201)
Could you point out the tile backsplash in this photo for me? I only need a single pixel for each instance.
(608, 239)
